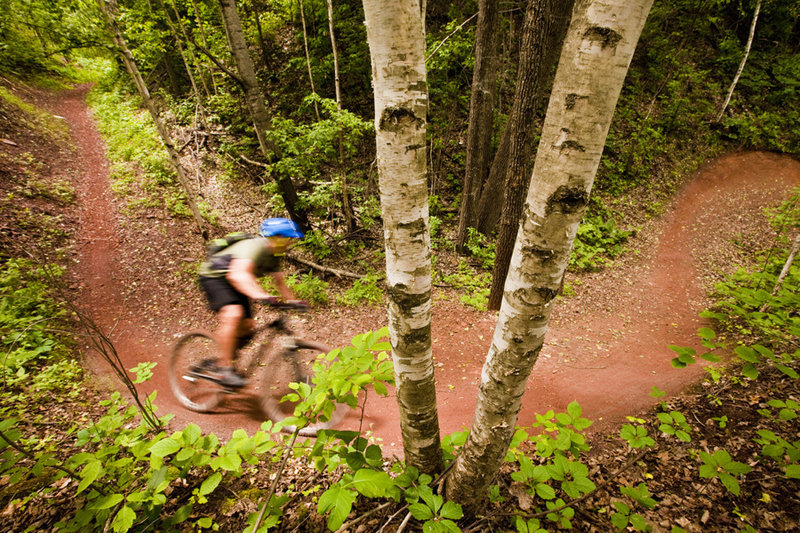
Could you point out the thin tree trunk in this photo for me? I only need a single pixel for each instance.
(547, 39)
(396, 42)
(481, 117)
(192, 55)
(308, 58)
(785, 270)
(347, 206)
(198, 98)
(335, 57)
(741, 65)
(255, 102)
(261, 42)
(594, 61)
(109, 10)
(204, 38)
(542, 31)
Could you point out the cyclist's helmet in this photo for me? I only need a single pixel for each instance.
(280, 227)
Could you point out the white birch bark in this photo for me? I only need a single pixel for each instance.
(742, 63)
(595, 58)
(395, 35)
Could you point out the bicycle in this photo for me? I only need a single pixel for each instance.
(194, 355)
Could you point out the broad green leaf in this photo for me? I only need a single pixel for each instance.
(747, 354)
(372, 483)
(165, 447)
(730, 483)
(420, 511)
(124, 519)
(338, 501)
(210, 483)
(451, 510)
(793, 471)
(545, 491)
(749, 371)
(706, 333)
(106, 502)
(191, 433)
(90, 473)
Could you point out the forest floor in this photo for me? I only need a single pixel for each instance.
(607, 345)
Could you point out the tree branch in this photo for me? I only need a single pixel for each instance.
(216, 61)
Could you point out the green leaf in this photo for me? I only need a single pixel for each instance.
(706, 334)
(338, 501)
(545, 491)
(420, 511)
(372, 483)
(191, 433)
(747, 354)
(793, 471)
(90, 473)
(619, 520)
(451, 510)
(106, 502)
(124, 519)
(730, 483)
(750, 371)
(210, 483)
(165, 447)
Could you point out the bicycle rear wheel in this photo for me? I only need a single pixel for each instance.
(292, 365)
(190, 354)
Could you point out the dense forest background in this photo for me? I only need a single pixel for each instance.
(319, 103)
(116, 468)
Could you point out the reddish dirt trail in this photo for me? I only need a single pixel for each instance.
(606, 355)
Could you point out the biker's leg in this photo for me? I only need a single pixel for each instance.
(230, 320)
(244, 334)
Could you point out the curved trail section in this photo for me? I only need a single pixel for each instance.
(607, 354)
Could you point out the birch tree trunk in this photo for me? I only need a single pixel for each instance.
(595, 58)
(741, 65)
(481, 117)
(109, 9)
(256, 104)
(395, 35)
(308, 58)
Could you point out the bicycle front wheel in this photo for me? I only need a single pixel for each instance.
(293, 365)
(191, 354)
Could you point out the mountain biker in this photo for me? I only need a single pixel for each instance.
(229, 279)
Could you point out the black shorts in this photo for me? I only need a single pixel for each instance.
(220, 293)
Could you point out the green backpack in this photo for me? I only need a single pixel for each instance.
(220, 244)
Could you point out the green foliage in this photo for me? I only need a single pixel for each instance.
(480, 248)
(341, 375)
(38, 36)
(30, 317)
(364, 291)
(141, 169)
(720, 465)
(636, 435)
(624, 515)
(474, 284)
(310, 288)
(314, 241)
(597, 243)
(307, 149)
(674, 423)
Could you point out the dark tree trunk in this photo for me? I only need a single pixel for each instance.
(543, 30)
(481, 116)
(490, 204)
(256, 104)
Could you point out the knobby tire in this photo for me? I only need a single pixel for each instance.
(194, 393)
(282, 370)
